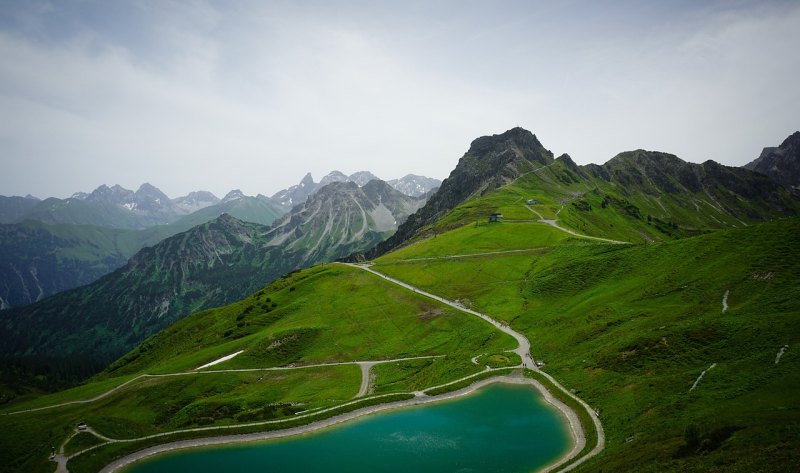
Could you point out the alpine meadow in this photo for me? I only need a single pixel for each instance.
(429, 237)
(657, 299)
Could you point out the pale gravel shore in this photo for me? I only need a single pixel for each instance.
(576, 431)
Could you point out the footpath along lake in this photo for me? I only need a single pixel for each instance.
(499, 428)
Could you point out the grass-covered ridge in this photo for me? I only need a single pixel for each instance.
(307, 321)
(631, 328)
(587, 201)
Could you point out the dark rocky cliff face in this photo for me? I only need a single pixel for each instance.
(491, 162)
(781, 164)
(655, 173)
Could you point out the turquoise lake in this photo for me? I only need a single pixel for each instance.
(499, 428)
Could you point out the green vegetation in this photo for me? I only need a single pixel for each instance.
(327, 314)
(96, 459)
(627, 327)
(586, 203)
(81, 441)
(468, 382)
(416, 375)
(589, 430)
(630, 328)
(500, 360)
(481, 237)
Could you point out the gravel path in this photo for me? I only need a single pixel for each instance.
(220, 360)
(725, 301)
(696, 381)
(195, 372)
(554, 224)
(524, 346)
(780, 353)
(366, 366)
(523, 350)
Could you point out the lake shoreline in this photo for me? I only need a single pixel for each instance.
(578, 439)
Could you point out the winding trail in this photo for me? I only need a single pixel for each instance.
(470, 255)
(237, 370)
(523, 350)
(420, 397)
(725, 301)
(554, 224)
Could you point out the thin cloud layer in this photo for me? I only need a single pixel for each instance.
(250, 95)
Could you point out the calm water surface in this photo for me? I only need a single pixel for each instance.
(499, 428)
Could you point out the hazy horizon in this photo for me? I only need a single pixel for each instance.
(253, 95)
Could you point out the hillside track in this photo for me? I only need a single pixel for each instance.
(523, 350)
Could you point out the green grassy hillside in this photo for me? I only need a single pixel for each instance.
(681, 333)
(630, 329)
(327, 314)
(592, 205)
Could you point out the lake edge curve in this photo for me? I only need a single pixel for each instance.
(568, 416)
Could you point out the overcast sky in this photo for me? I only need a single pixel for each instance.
(252, 95)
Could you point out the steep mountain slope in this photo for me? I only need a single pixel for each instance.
(209, 265)
(490, 162)
(184, 273)
(636, 196)
(13, 209)
(342, 216)
(38, 260)
(782, 164)
(297, 194)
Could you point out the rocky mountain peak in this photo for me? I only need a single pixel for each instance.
(514, 138)
(114, 195)
(235, 194)
(362, 177)
(333, 176)
(782, 163)
(307, 180)
(491, 162)
(414, 185)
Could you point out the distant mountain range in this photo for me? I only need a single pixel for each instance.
(39, 259)
(117, 207)
(58, 244)
(211, 264)
(410, 185)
